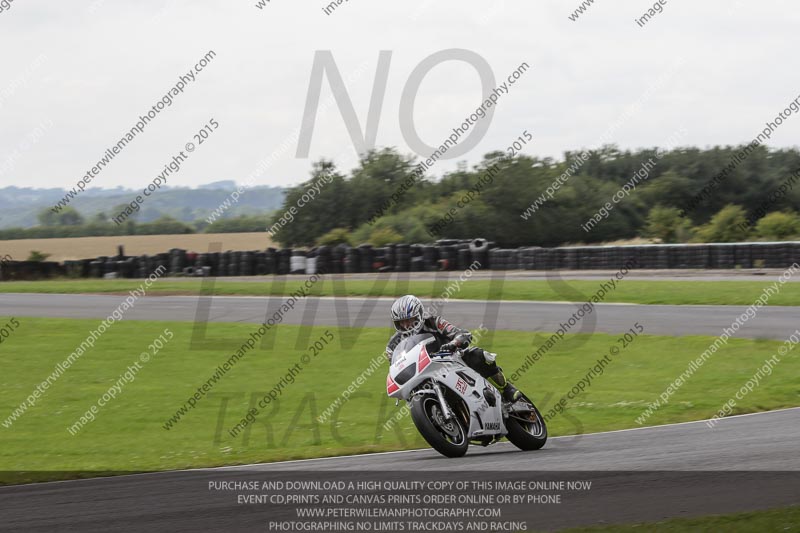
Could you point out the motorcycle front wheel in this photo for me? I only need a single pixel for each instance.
(447, 437)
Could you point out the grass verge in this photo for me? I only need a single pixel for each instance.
(128, 433)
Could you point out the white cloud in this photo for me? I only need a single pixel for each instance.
(108, 61)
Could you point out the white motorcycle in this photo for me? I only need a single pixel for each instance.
(452, 405)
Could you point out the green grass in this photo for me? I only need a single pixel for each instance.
(639, 292)
(773, 521)
(127, 434)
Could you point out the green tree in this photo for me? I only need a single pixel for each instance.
(37, 256)
(240, 224)
(665, 223)
(778, 226)
(410, 225)
(329, 207)
(334, 237)
(728, 225)
(384, 236)
(163, 226)
(115, 212)
(47, 217)
(68, 216)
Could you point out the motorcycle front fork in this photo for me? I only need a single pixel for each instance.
(448, 414)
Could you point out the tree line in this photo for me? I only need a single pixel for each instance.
(758, 200)
(71, 223)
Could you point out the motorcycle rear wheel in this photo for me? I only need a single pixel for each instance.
(446, 437)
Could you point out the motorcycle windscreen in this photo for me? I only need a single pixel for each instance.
(408, 343)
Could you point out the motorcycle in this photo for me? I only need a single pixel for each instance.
(452, 405)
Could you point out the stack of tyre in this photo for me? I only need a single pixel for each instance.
(479, 251)
(417, 260)
(463, 256)
(430, 257)
(366, 257)
(271, 261)
(612, 255)
(528, 257)
(504, 259)
(351, 263)
(662, 257)
(324, 259)
(778, 255)
(77, 269)
(447, 257)
(790, 253)
(743, 255)
(298, 262)
(403, 258)
(337, 258)
(626, 256)
(390, 257)
(719, 256)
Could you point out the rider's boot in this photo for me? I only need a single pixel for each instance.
(510, 392)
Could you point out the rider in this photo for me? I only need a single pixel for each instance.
(408, 318)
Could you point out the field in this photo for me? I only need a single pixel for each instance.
(626, 291)
(90, 247)
(143, 429)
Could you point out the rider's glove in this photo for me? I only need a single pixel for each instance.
(449, 347)
(462, 340)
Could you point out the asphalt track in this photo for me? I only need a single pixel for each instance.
(776, 322)
(745, 463)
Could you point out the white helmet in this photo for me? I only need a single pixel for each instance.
(405, 308)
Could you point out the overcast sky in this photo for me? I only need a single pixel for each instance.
(77, 74)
